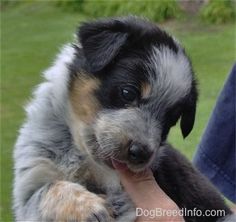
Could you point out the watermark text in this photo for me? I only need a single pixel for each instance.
(183, 212)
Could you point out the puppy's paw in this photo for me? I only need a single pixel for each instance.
(100, 216)
(66, 201)
(122, 206)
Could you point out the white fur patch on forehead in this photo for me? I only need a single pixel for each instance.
(173, 77)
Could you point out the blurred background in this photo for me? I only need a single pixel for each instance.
(33, 31)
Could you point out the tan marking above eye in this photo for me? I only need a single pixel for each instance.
(83, 101)
(145, 90)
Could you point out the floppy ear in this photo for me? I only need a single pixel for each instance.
(101, 42)
(188, 115)
(187, 121)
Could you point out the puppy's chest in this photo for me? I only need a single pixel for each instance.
(78, 167)
(106, 184)
(97, 179)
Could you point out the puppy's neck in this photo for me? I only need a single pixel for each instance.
(101, 175)
(104, 176)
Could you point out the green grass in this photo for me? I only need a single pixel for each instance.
(31, 35)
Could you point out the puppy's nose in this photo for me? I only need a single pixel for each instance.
(139, 153)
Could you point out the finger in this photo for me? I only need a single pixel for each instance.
(136, 184)
(129, 177)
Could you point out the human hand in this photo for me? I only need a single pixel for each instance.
(146, 194)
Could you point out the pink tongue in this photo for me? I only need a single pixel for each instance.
(118, 165)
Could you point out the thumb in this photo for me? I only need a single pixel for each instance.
(145, 192)
(129, 177)
(136, 184)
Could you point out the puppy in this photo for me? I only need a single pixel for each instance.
(112, 96)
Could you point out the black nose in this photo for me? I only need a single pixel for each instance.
(139, 153)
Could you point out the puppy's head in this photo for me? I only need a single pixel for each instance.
(130, 84)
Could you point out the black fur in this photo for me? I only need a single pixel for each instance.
(186, 186)
(189, 111)
(113, 35)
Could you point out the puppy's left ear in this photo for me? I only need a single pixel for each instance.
(101, 42)
(189, 112)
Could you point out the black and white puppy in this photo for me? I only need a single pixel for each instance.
(113, 96)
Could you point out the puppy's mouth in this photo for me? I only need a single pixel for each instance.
(116, 164)
(123, 165)
(132, 155)
(120, 165)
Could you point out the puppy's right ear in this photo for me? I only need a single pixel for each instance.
(189, 111)
(101, 42)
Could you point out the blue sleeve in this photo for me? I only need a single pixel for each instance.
(216, 157)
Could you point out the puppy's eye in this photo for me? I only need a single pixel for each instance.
(129, 93)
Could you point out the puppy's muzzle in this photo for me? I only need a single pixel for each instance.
(139, 153)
